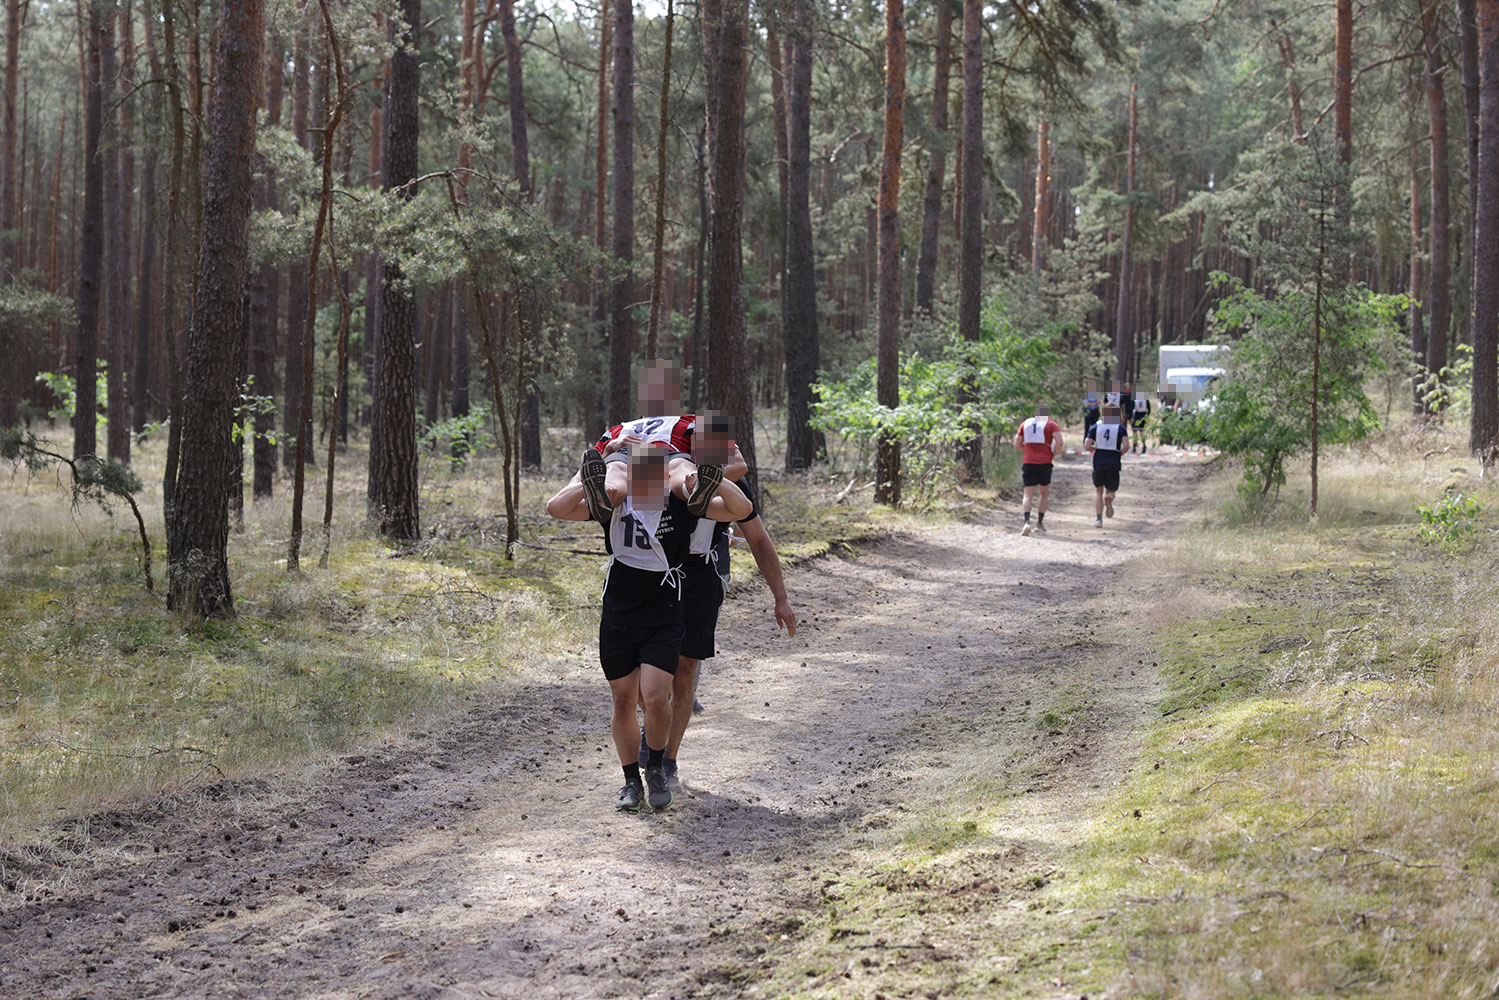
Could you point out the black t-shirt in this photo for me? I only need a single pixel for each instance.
(1107, 459)
(635, 596)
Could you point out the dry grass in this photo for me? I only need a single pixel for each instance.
(105, 696)
(1318, 810)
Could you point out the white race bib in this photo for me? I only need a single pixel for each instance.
(1034, 431)
(1106, 436)
(632, 536)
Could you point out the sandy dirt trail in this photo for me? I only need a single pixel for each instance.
(487, 861)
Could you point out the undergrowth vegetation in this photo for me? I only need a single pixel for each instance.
(105, 696)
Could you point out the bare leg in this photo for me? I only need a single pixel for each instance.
(1025, 505)
(1041, 507)
(655, 698)
(622, 723)
(681, 703)
(1098, 503)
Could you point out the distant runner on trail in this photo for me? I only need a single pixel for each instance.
(640, 628)
(1040, 440)
(1136, 417)
(1106, 440)
(707, 581)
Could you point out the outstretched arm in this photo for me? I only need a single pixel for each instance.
(769, 563)
(568, 504)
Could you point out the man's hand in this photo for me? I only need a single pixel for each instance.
(623, 441)
(785, 617)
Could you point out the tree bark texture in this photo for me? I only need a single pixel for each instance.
(936, 168)
(971, 223)
(117, 259)
(1342, 108)
(1123, 333)
(520, 148)
(601, 188)
(1484, 429)
(1439, 295)
(265, 300)
(91, 240)
(622, 288)
(887, 354)
(296, 279)
(9, 162)
(799, 298)
(392, 492)
(725, 50)
(1467, 33)
(1042, 217)
(198, 525)
(1414, 324)
(658, 261)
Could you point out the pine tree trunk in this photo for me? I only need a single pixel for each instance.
(1042, 220)
(296, 283)
(140, 379)
(520, 147)
(1413, 282)
(265, 299)
(9, 164)
(91, 240)
(799, 301)
(1123, 335)
(1439, 297)
(1468, 44)
(725, 49)
(658, 263)
(1342, 104)
(1484, 430)
(117, 258)
(622, 298)
(971, 181)
(601, 281)
(936, 169)
(887, 352)
(198, 571)
(393, 499)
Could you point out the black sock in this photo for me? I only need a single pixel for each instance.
(632, 773)
(1041, 517)
(1027, 517)
(654, 759)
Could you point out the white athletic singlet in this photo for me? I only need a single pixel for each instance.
(654, 430)
(1033, 431)
(1141, 405)
(1106, 436)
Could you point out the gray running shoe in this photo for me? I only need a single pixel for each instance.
(708, 479)
(659, 795)
(670, 767)
(629, 797)
(1041, 527)
(591, 472)
(645, 749)
(697, 706)
(1098, 522)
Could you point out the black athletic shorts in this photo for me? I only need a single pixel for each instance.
(1107, 478)
(1035, 474)
(622, 648)
(623, 455)
(702, 597)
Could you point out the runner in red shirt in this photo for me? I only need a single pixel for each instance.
(1040, 440)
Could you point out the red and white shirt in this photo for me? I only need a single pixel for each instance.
(674, 431)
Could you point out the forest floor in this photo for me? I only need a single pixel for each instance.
(952, 685)
(1191, 753)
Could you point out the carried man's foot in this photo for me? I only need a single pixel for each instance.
(708, 479)
(591, 472)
